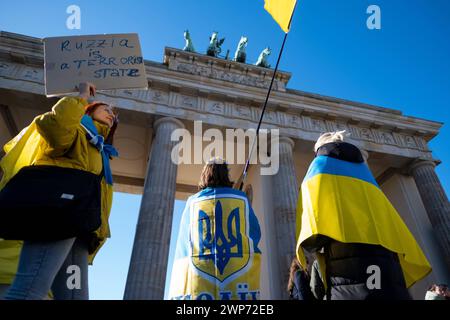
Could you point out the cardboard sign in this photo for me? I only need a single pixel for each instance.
(111, 61)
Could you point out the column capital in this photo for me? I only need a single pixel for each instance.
(287, 140)
(162, 120)
(417, 163)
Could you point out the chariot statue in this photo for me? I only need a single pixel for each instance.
(189, 47)
(240, 54)
(262, 59)
(214, 48)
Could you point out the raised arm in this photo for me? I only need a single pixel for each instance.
(59, 126)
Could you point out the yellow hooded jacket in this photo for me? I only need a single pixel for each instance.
(55, 138)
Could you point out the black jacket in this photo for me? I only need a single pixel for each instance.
(300, 289)
(350, 272)
(350, 266)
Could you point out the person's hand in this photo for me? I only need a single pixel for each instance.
(86, 89)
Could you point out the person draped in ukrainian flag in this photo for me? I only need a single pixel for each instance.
(217, 255)
(363, 248)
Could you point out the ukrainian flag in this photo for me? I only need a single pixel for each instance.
(341, 200)
(217, 255)
(21, 151)
(281, 11)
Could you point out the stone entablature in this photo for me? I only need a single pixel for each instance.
(225, 70)
(178, 92)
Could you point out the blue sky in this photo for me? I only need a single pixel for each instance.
(330, 51)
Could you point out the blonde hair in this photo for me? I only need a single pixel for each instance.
(330, 137)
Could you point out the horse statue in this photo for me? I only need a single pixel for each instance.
(262, 59)
(189, 47)
(240, 55)
(214, 48)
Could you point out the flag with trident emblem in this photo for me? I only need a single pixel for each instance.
(217, 255)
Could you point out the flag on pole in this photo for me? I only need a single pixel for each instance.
(281, 11)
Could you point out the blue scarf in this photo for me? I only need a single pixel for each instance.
(98, 141)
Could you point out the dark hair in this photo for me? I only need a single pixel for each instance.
(215, 175)
(90, 109)
(295, 266)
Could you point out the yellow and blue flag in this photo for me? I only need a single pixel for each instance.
(281, 11)
(217, 255)
(341, 200)
(21, 151)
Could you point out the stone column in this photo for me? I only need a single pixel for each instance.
(285, 196)
(148, 265)
(435, 201)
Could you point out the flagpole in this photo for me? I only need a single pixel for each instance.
(247, 163)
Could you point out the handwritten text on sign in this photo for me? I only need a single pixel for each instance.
(109, 61)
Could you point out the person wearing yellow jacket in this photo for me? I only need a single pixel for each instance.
(58, 138)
